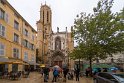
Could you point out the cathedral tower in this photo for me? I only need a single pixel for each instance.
(44, 31)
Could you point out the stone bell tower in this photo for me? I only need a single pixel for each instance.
(44, 29)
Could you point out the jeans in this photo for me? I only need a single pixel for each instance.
(45, 77)
(77, 77)
(54, 78)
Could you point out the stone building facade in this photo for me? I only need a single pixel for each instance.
(53, 47)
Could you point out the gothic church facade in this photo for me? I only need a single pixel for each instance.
(53, 47)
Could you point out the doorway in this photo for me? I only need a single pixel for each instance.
(59, 63)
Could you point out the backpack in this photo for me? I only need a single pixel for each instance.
(55, 73)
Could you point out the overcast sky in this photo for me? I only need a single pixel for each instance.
(63, 11)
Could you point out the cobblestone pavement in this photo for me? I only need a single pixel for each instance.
(35, 77)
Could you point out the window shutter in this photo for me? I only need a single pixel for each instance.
(3, 31)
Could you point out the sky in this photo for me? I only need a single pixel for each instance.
(63, 11)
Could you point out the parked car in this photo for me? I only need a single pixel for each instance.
(107, 77)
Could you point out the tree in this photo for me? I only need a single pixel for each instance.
(100, 34)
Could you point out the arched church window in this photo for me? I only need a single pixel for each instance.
(43, 16)
(57, 43)
(47, 16)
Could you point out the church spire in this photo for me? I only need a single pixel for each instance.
(66, 29)
(45, 2)
(57, 29)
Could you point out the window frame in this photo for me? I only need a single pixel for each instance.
(26, 56)
(16, 53)
(1, 44)
(16, 38)
(2, 14)
(2, 32)
(16, 25)
(26, 32)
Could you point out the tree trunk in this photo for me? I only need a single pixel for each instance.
(90, 66)
(79, 64)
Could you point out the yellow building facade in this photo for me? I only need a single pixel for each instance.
(17, 37)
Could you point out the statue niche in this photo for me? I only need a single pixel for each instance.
(58, 43)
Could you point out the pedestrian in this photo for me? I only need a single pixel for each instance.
(65, 71)
(55, 74)
(77, 73)
(41, 71)
(46, 73)
(87, 72)
(105, 70)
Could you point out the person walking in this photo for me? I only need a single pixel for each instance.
(46, 73)
(77, 73)
(55, 74)
(65, 71)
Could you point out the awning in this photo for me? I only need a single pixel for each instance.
(4, 60)
(42, 65)
(10, 60)
(16, 61)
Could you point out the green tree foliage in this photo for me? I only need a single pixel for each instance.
(100, 34)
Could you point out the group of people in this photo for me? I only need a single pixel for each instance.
(60, 73)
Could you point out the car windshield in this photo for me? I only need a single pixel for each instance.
(120, 77)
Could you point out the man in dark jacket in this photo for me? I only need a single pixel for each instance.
(77, 73)
(46, 73)
(65, 71)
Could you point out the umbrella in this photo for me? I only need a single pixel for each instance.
(56, 67)
(113, 68)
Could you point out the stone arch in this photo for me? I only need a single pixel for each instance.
(57, 58)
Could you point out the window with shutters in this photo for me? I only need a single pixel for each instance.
(16, 25)
(2, 49)
(15, 52)
(25, 56)
(32, 46)
(2, 30)
(26, 43)
(26, 32)
(33, 37)
(2, 14)
(32, 58)
(16, 38)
